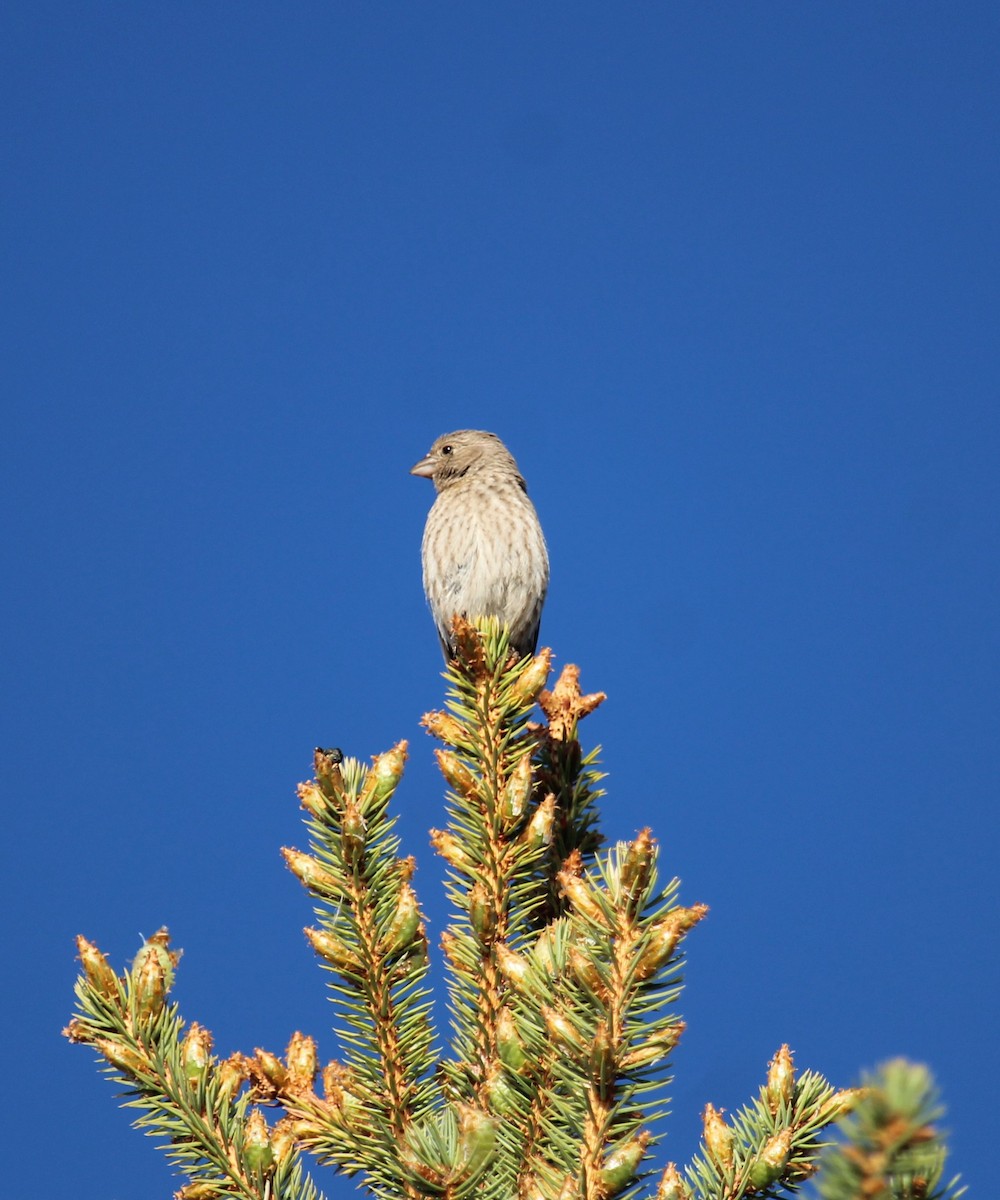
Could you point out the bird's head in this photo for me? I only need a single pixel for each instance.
(456, 455)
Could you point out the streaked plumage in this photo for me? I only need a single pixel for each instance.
(483, 550)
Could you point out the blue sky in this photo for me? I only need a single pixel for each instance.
(724, 277)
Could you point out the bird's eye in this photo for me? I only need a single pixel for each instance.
(446, 449)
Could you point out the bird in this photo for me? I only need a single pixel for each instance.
(483, 550)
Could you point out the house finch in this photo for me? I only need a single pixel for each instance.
(483, 550)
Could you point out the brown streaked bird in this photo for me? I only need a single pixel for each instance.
(483, 551)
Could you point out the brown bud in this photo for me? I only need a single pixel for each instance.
(79, 1033)
(664, 937)
(586, 972)
(622, 1163)
(636, 870)
(451, 947)
(233, 1071)
(513, 966)
(283, 1140)
(469, 660)
(654, 1049)
(562, 1028)
(149, 980)
(841, 1103)
(457, 775)
(499, 1092)
(516, 791)
(672, 1185)
(509, 1044)
(257, 1151)
(99, 973)
(772, 1160)
(326, 764)
(524, 690)
(339, 1088)
(353, 834)
(404, 929)
(337, 953)
(333, 1078)
(271, 1067)
(312, 874)
(565, 706)
(583, 898)
(170, 958)
(307, 1130)
(162, 939)
(201, 1189)
(549, 1185)
(451, 850)
(152, 973)
(123, 1057)
(780, 1079)
(301, 1059)
(445, 728)
(383, 776)
(546, 951)
(313, 801)
(538, 831)
(477, 1138)
(602, 1056)
(482, 913)
(196, 1050)
(718, 1138)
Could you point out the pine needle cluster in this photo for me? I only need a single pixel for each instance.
(564, 972)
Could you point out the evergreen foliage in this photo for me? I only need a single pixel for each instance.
(891, 1149)
(564, 974)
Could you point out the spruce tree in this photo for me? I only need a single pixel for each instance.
(564, 973)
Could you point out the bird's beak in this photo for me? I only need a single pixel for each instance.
(425, 467)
